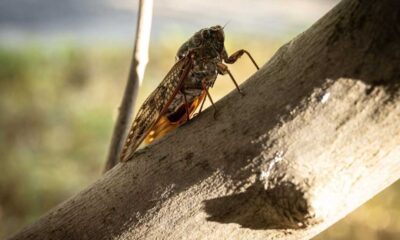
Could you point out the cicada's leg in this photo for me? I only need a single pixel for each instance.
(235, 56)
(186, 106)
(212, 102)
(201, 106)
(223, 69)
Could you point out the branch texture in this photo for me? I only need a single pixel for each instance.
(315, 136)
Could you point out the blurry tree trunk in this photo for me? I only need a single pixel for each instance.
(138, 65)
(316, 135)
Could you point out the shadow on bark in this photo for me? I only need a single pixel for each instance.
(282, 207)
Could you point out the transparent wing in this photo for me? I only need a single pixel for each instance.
(155, 105)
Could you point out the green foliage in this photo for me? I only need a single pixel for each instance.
(54, 130)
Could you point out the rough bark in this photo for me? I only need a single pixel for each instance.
(316, 135)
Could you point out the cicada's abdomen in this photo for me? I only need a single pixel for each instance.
(167, 123)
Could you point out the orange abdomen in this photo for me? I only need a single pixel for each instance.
(168, 123)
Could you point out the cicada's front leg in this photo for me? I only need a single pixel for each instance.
(235, 56)
(223, 69)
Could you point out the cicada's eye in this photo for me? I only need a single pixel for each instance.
(206, 34)
(220, 36)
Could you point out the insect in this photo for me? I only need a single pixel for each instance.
(184, 88)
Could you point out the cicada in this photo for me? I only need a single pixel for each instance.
(184, 88)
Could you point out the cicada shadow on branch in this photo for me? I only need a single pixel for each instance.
(184, 88)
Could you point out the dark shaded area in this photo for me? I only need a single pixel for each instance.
(282, 207)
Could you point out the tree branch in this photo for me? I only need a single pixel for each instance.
(315, 136)
(136, 72)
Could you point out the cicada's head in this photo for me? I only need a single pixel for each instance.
(214, 37)
(210, 39)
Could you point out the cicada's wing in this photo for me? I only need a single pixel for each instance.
(155, 105)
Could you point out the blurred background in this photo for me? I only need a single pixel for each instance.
(63, 67)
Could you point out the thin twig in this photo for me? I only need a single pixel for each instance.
(138, 65)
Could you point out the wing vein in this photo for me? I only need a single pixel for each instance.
(155, 106)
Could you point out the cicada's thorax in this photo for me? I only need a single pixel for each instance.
(207, 51)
